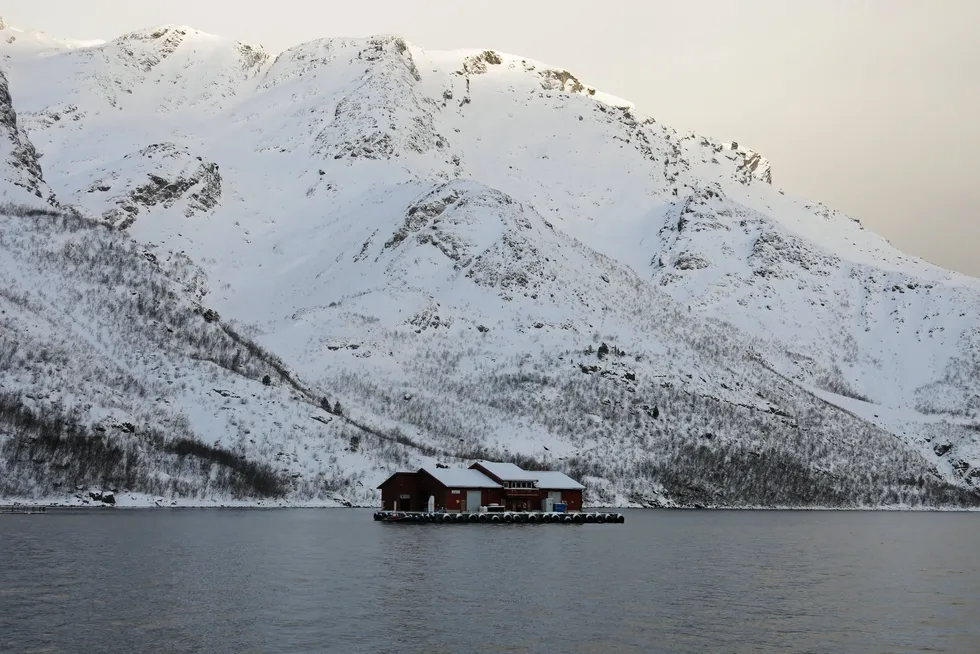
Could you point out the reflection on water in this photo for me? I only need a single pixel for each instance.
(335, 580)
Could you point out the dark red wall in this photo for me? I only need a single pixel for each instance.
(429, 485)
(401, 483)
(493, 496)
(573, 498)
(445, 498)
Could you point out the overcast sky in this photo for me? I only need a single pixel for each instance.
(870, 106)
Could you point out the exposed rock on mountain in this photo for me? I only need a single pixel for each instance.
(18, 157)
(159, 174)
(476, 255)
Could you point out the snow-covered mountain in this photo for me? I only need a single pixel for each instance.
(478, 256)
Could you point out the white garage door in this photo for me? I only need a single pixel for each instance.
(473, 500)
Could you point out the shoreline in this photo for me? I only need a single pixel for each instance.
(14, 505)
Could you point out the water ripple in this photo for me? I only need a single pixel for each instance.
(334, 580)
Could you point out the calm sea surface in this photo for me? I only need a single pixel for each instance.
(333, 580)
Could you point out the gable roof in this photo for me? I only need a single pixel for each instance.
(508, 471)
(551, 480)
(400, 472)
(472, 478)
(546, 480)
(460, 477)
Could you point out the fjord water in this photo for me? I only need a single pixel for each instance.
(304, 580)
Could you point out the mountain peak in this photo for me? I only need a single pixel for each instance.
(161, 31)
(32, 40)
(480, 256)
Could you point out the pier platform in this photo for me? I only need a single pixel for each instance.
(23, 509)
(509, 517)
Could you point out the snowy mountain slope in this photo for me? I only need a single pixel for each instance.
(549, 187)
(38, 42)
(116, 343)
(539, 381)
(398, 223)
(114, 377)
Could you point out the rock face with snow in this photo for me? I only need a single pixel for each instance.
(159, 174)
(448, 256)
(18, 157)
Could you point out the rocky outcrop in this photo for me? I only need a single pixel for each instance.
(424, 214)
(162, 42)
(389, 116)
(561, 80)
(777, 254)
(691, 261)
(445, 218)
(753, 166)
(17, 155)
(170, 176)
(477, 64)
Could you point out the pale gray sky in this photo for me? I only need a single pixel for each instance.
(870, 106)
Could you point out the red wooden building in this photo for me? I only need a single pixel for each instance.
(485, 483)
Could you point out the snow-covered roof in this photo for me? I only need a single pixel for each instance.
(461, 477)
(509, 471)
(551, 480)
(546, 480)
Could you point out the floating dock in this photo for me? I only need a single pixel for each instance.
(508, 517)
(23, 509)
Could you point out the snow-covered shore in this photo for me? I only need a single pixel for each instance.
(141, 501)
